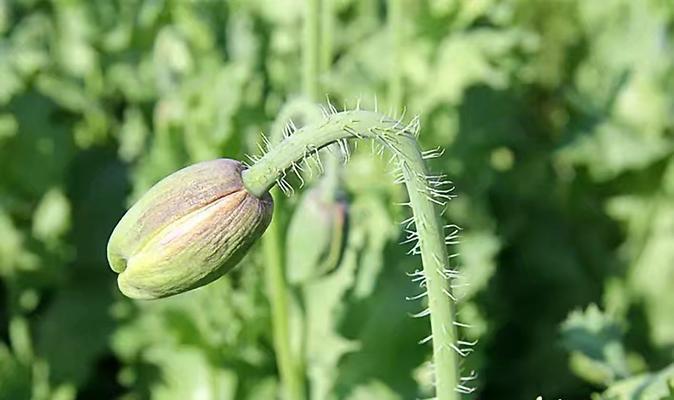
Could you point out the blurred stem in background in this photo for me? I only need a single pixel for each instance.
(327, 42)
(395, 84)
(310, 79)
(318, 49)
(289, 369)
(320, 55)
(314, 63)
(431, 238)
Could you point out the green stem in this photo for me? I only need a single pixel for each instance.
(311, 51)
(395, 83)
(289, 371)
(318, 50)
(327, 42)
(19, 328)
(369, 125)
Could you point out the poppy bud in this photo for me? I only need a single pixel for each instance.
(187, 230)
(315, 235)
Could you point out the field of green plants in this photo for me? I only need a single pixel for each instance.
(554, 120)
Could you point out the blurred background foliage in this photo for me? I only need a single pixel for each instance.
(558, 122)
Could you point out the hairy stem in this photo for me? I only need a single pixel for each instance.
(338, 127)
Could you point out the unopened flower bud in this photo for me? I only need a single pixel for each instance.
(187, 230)
(315, 235)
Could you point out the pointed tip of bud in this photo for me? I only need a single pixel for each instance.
(129, 290)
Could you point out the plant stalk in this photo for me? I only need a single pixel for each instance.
(260, 177)
(290, 371)
(327, 36)
(395, 28)
(310, 78)
(292, 381)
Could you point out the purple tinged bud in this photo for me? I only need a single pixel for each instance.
(188, 230)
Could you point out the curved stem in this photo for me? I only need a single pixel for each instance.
(369, 125)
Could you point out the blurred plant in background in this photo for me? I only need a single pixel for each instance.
(558, 122)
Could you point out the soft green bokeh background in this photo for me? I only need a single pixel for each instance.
(557, 117)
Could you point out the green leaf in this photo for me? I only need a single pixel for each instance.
(8, 126)
(478, 251)
(652, 386)
(612, 149)
(51, 218)
(132, 135)
(13, 255)
(73, 332)
(185, 373)
(373, 390)
(595, 342)
(324, 304)
(648, 221)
